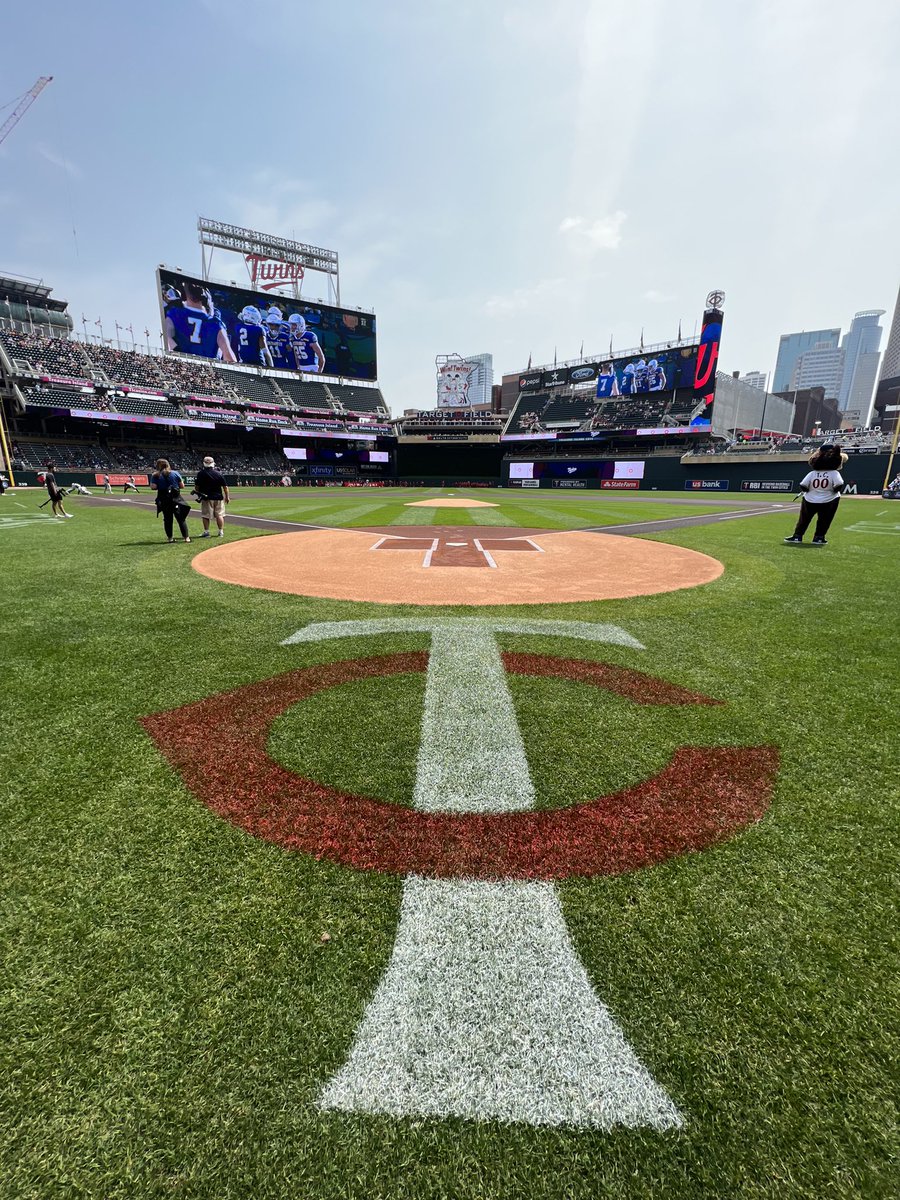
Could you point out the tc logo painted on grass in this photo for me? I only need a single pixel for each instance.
(485, 1010)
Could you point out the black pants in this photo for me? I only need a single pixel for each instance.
(176, 510)
(824, 514)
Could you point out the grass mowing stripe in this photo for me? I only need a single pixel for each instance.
(167, 995)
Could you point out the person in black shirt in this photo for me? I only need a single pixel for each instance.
(56, 496)
(212, 490)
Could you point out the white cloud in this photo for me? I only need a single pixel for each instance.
(602, 233)
(64, 164)
(523, 299)
(657, 297)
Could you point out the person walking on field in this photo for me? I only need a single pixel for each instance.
(107, 485)
(53, 490)
(167, 485)
(821, 488)
(212, 491)
(130, 484)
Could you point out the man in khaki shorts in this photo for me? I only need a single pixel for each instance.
(212, 490)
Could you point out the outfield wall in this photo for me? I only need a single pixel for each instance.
(746, 475)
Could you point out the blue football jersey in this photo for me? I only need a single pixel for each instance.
(303, 348)
(656, 379)
(195, 331)
(607, 385)
(250, 343)
(282, 354)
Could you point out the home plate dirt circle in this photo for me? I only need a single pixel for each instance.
(473, 565)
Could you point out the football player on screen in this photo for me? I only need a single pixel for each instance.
(308, 353)
(250, 338)
(190, 329)
(656, 377)
(279, 341)
(629, 380)
(607, 383)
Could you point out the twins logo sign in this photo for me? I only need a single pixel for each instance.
(485, 1010)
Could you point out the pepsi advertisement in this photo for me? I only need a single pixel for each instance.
(234, 325)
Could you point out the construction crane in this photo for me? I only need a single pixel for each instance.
(23, 106)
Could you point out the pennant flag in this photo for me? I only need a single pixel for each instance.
(528, 368)
(642, 339)
(581, 352)
(679, 329)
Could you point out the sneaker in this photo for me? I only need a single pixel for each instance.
(186, 540)
(68, 516)
(221, 533)
(793, 541)
(819, 542)
(203, 535)
(171, 541)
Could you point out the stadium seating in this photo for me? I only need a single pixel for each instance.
(47, 356)
(249, 385)
(70, 456)
(358, 399)
(49, 396)
(306, 393)
(125, 366)
(151, 405)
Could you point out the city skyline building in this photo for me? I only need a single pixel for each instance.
(757, 379)
(790, 348)
(821, 366)
(890, 363)
(860, 346)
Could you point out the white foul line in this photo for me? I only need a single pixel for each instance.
(426, 561)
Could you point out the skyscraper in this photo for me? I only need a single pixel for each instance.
(822, 366)
(792, 345)
(890, 364)
(756, 379)
(860, 346)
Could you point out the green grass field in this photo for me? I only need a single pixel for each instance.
(170, 1009)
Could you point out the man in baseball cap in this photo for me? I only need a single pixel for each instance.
(212, 491)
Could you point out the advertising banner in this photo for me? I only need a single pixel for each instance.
(767, 485)
(583, 374)
(530, 382)
(453, 383)
(555, 378)
(235, 325)
(120, 480)
(620, 485)
(706, 485)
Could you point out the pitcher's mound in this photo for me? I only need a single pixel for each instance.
(449, 504)
(464, 565)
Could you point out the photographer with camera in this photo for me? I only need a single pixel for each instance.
(167, 485)
(211, 490)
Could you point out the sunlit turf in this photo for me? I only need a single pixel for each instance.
(538, 509)
(170, 1010)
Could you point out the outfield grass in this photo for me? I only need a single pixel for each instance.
(359, 507)
(171, 1010)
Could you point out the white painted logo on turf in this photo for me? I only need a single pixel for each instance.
(485, 1010)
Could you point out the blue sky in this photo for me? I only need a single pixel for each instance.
(515, 178)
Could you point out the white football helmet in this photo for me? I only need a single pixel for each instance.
(297, 323)
(250, 315)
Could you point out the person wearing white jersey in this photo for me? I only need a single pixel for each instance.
(821, 488)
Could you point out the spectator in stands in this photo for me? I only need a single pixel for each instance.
(53, 491)
(167, 484)
(212, 491)
(821, 489)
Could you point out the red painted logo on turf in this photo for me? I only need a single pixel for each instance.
(702, 797)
